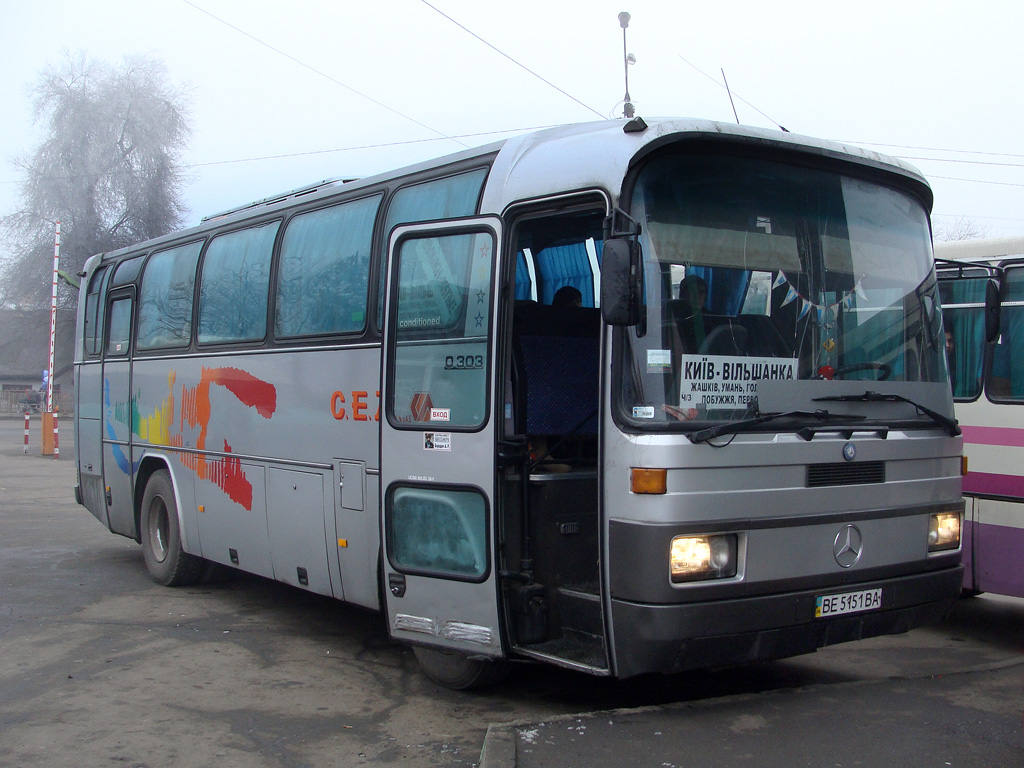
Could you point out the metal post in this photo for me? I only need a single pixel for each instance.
(26, 432)
(53, 317)
(627, 109)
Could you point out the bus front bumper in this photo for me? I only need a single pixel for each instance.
(674, 638)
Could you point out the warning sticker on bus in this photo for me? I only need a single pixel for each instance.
(721, 382)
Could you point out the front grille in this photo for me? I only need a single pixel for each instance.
(822, 475)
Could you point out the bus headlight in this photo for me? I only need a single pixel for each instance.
(944, 531)
(696, 558)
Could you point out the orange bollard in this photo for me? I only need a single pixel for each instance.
(47, 433)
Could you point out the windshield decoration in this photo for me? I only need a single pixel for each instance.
(820, 310)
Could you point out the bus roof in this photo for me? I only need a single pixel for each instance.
(982, 249)
(558, 160)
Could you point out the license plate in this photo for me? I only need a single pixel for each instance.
(850, 602)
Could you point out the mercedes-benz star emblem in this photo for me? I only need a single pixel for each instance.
(849, 451)
(848, 546)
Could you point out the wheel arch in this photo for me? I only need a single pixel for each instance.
(151, 464)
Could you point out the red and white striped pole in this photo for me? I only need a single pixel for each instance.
(56, 440)
(53, 318)
(26, 431)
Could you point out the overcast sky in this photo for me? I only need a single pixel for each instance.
(284, 94)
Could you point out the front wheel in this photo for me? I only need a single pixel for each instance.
(160, 532)
(457, 671)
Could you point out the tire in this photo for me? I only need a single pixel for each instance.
(457, 671)
(166, 561)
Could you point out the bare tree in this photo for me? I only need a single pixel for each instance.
(108, 168)
(961, 229)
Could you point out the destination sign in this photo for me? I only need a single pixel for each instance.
(721, 382)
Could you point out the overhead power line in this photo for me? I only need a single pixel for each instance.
(978, 181)
(733, 93)
(514, 61)
(321, 73)
(933, 149)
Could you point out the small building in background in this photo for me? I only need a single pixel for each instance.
(24, 355)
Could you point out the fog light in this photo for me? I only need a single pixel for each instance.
(944, 531)
(696, 558)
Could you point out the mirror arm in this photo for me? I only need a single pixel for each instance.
(619, 224)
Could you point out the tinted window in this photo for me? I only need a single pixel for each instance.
(443, 324)
(1007, 379)
(165, 299)
(93, 330)
(325, 268)
(438, 532)
(963, 316)
(127, 271)
(445, 198)
(235, 282)
(120, 327)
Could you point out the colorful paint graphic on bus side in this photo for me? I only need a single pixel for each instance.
(196, 408)
(164, 427)
(120, 413)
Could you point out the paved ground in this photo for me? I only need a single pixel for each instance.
(99, 666)
(969, 717)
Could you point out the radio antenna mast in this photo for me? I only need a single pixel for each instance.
(733, 103)
(627, 107)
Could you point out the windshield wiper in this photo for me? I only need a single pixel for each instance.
(950, 425)
(734, 427)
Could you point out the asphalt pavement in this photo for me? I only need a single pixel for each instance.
(965, 718)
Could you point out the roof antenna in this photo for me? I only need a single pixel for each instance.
(627, 59)
(733, 103)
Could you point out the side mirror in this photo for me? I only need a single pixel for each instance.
(991, 310)
(621, 282)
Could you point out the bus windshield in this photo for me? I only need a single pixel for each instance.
(759, 270)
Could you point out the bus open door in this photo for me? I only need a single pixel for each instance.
(437, 444)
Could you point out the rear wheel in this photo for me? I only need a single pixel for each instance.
(166, 561)
(457, 671)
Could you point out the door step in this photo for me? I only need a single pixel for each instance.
(580, 609)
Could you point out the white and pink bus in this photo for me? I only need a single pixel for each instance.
(982, 290)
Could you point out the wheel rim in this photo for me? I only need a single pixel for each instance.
(159, 526)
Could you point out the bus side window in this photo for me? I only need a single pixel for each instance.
(324, 270)
(119, 337)
(235, 282)
(444, 198)
(1007, 372)
(963, 318)
(165, 298)
(93, 332)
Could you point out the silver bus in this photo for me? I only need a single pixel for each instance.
(981, 283)
(624, 397)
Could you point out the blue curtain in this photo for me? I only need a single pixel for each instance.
(726, 288)
(562, 265)
(968, 328)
